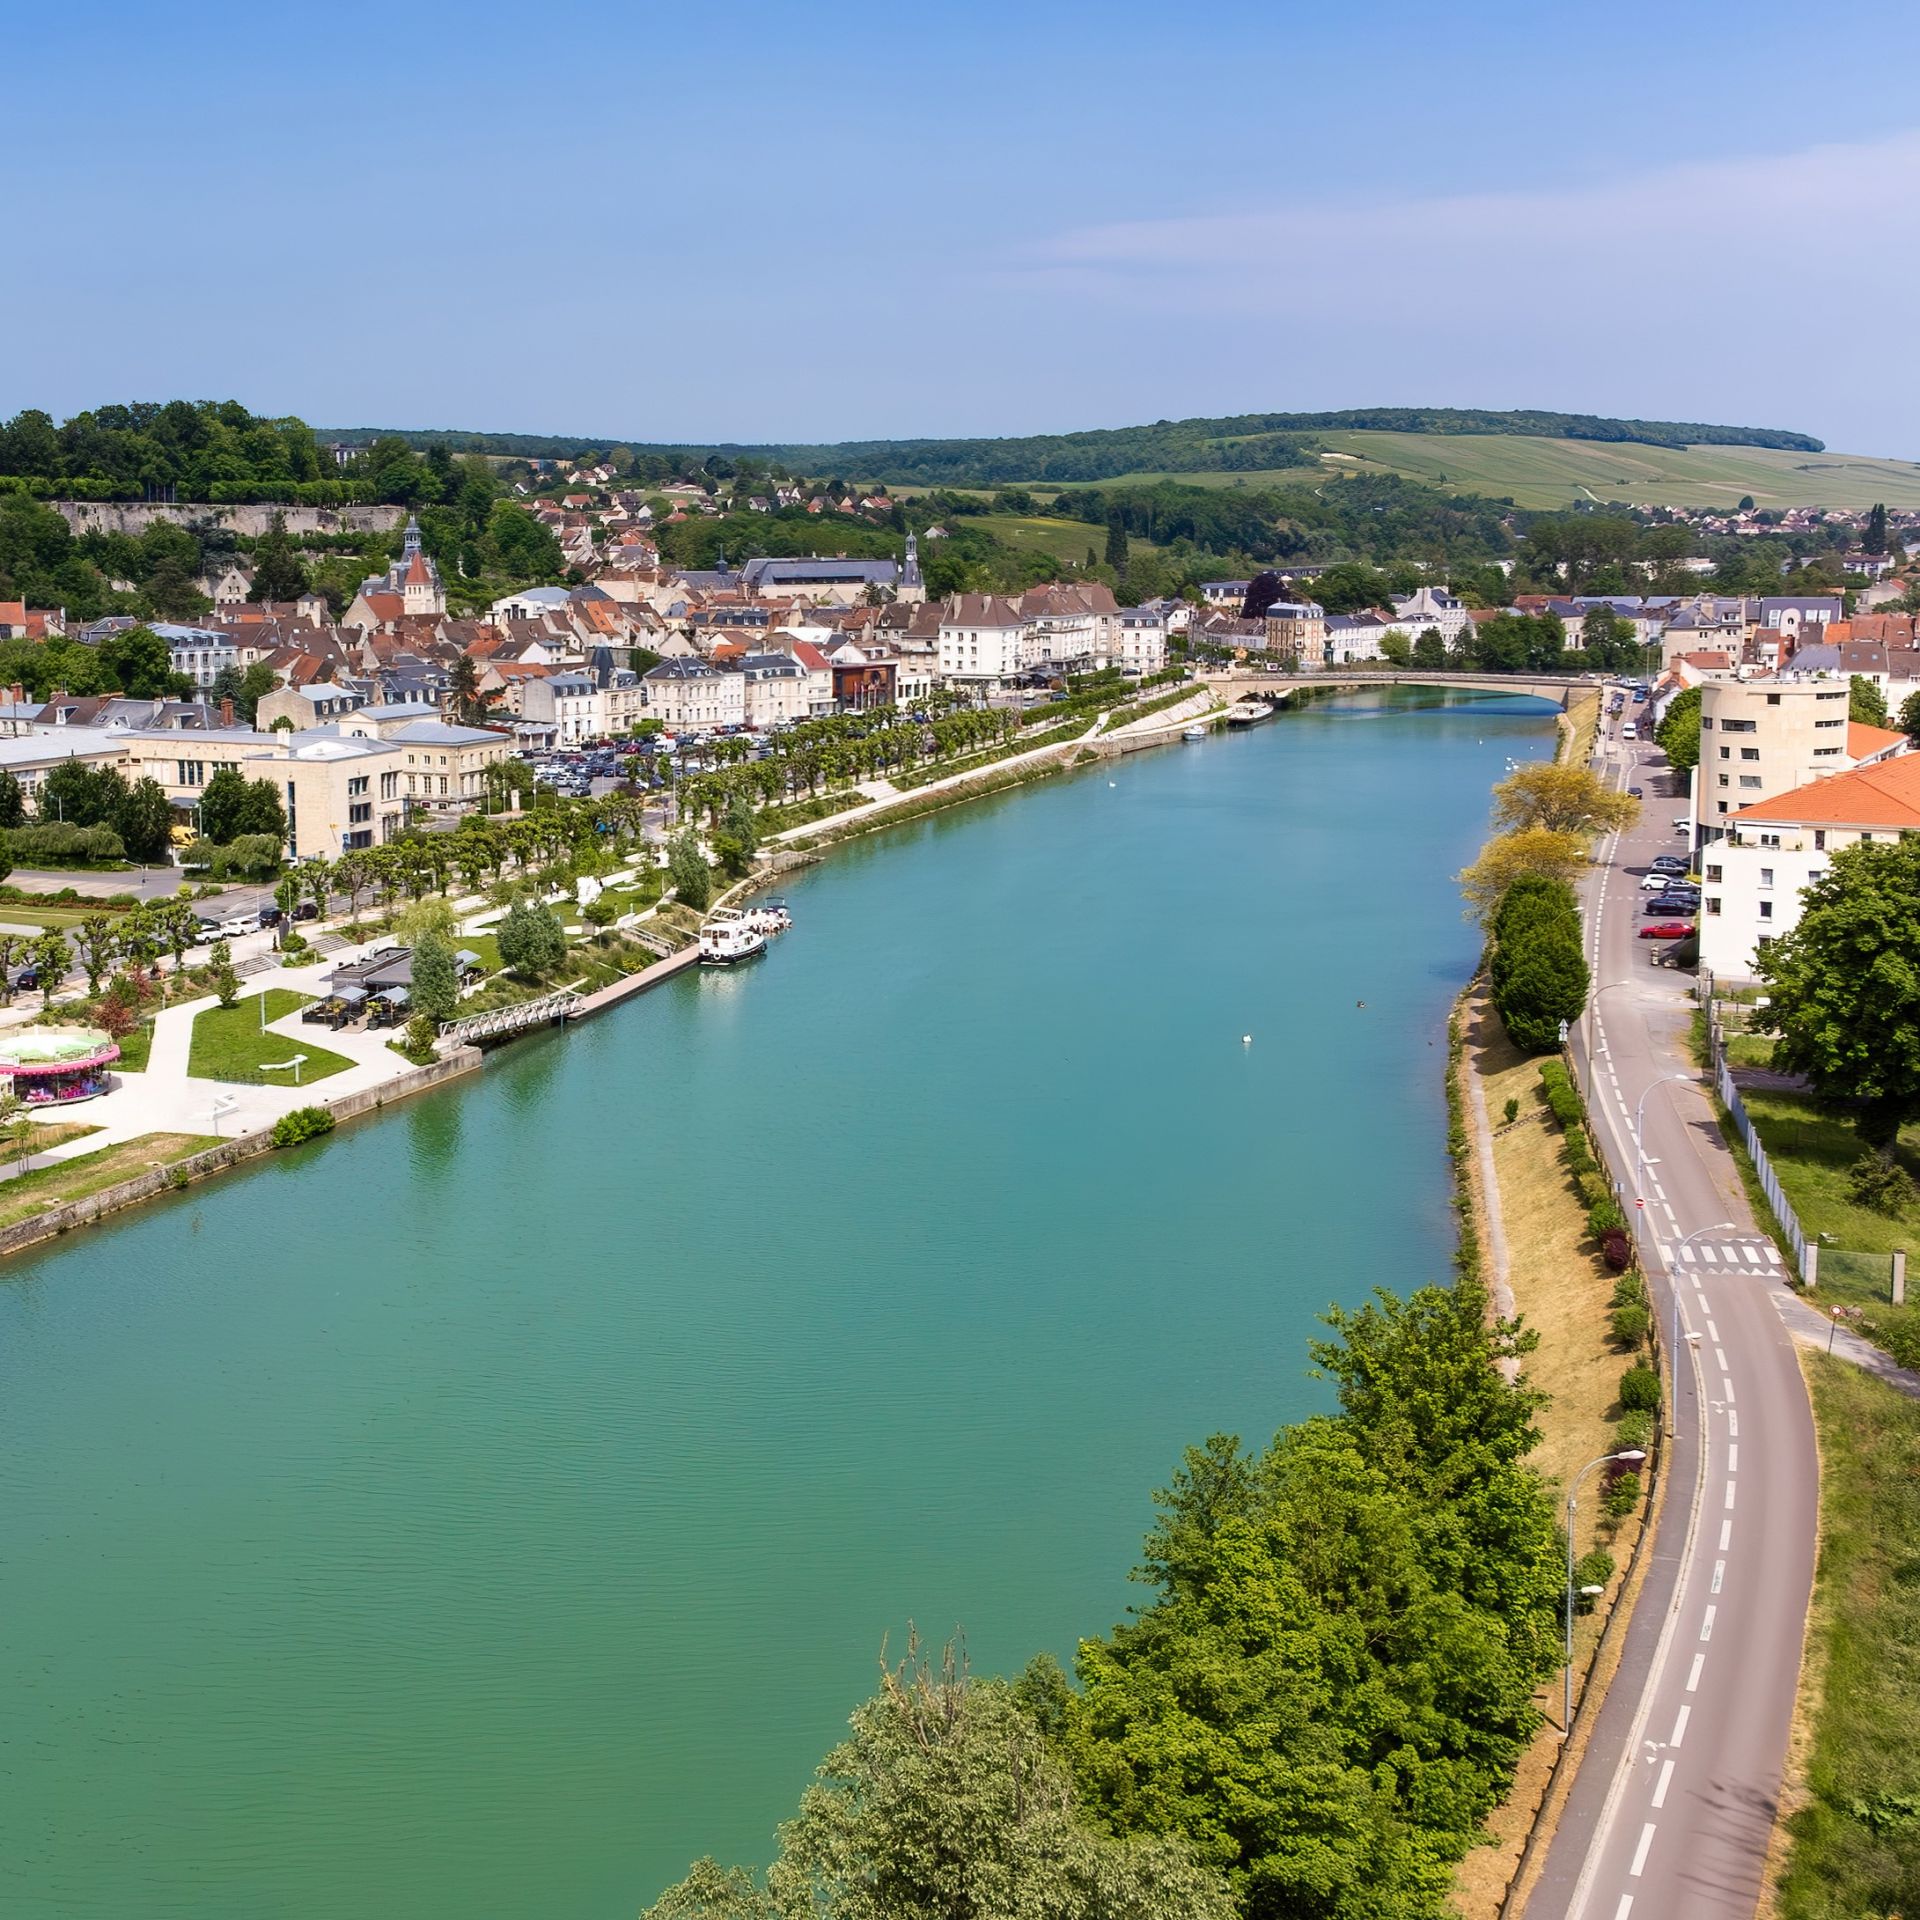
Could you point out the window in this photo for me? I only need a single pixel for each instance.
(389, 785)
(1829, 723)
(1739, 726)
(1773, 699)
(1706, 722)
(1749, 753)
(360, 812)
(1819, 839)
(1766, 876)
(357, 784)
(193, 773)
(1714, 873)
(1723, 782)
(1766, 909)
(1713, 903)
(1829, 696)
(1726, 753)
(1864, 838)
(1751, 780)
(1820, 753)
(1723, 804)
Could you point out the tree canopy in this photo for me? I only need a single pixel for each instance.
(1560, 797)
(1678, 734)
(1844, 988)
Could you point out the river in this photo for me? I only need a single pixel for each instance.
(487, 1511)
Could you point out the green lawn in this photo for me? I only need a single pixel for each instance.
(229, 1045)
(1811, 1153)
(68, 1180)
(1856, 1844)
(135, 1048)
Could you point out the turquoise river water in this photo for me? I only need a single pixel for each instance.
(487, 1511)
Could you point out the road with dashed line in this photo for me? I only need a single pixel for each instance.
(1672, 1810)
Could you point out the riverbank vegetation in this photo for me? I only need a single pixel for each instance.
(1538, 972)
(1327, 1692)
(46, 1188)
(1855, 1841)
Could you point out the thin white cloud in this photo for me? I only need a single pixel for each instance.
(1807, 206)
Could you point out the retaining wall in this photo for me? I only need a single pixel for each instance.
(229, 1153)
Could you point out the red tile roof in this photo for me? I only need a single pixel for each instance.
(1864, 741)
(1885, 794)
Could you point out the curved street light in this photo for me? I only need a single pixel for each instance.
(1630, 1454)
(1593, 1027)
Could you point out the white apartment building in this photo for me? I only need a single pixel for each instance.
(981, 636)
(1762, 738)
(198, 652)
(693, 694)
(776, 689)
(1431, 607)
(1140, 640)
(1752, 881)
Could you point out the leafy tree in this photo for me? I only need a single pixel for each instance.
(1678, 735)
(1117, 544)
(98, 936)
(52, 956)
(1561, 798)
(1909, 721)
(13, 801)
(532, 942)
(1429, 650)
(1397, 650)
(277, 572)
(948, 1799)
(77, 795)
(688, 870)
(1866, 704)
(226, 983)
(1504, 859)
(223, 805)
(1844, 988)
(137, 664)
(12, 947)
(144, 821)
(436, 989)
(1874, 539)
(1335, 1680)
(1540, 979)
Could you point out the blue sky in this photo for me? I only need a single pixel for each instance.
(786, 222)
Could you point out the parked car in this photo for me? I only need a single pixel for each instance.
(1669, 863)
(206, 932)
(1658, 880)
(1634, 793)
(270, 916)
(235, 924)
(1666, 930)
(27, 979)
(306, 910)
(1668, 905)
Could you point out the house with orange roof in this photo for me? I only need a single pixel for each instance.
(1752, 882)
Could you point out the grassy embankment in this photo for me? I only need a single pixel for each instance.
(1535, 471)
(1854, 1838)
(1563, 1291)
(70, 1180)
(229, 1044)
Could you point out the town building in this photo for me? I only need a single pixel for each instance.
(1752, 880)
(694, 694)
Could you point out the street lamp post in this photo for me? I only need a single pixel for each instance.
(1633, 1455)
(1593, 1028)
(1639, 1114)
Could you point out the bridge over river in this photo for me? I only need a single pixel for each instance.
(1557, 687)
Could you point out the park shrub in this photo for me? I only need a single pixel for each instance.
(1604, 1217)
(1630, 1290)
(1563, 1102)
(1595, 1187)
(303, 1123)
(1880, 1185)
(1621, 1497)
(1578, 1154)
(1617, 1250)
(1510, 1112)
(1640, 1389)
(55, 843)
(1629, 1326)
(1593, 1569)
(1634, 1430)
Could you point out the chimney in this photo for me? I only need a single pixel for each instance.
(226, 713)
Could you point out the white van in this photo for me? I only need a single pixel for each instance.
(1629, 731)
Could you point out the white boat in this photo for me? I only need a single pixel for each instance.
(1195, 732)
(729, 938)
(768, 916)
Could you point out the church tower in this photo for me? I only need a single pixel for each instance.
(416, 578)
(912, 590)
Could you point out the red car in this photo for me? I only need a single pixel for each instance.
(1667, 930)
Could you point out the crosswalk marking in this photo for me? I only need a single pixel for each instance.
(1688, 1255)
(1711, 1253)
(1753, 1255)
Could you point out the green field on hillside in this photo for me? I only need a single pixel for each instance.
(1555, 473)
(1066, 540)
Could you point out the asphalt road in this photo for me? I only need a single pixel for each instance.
(1672, 1810)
